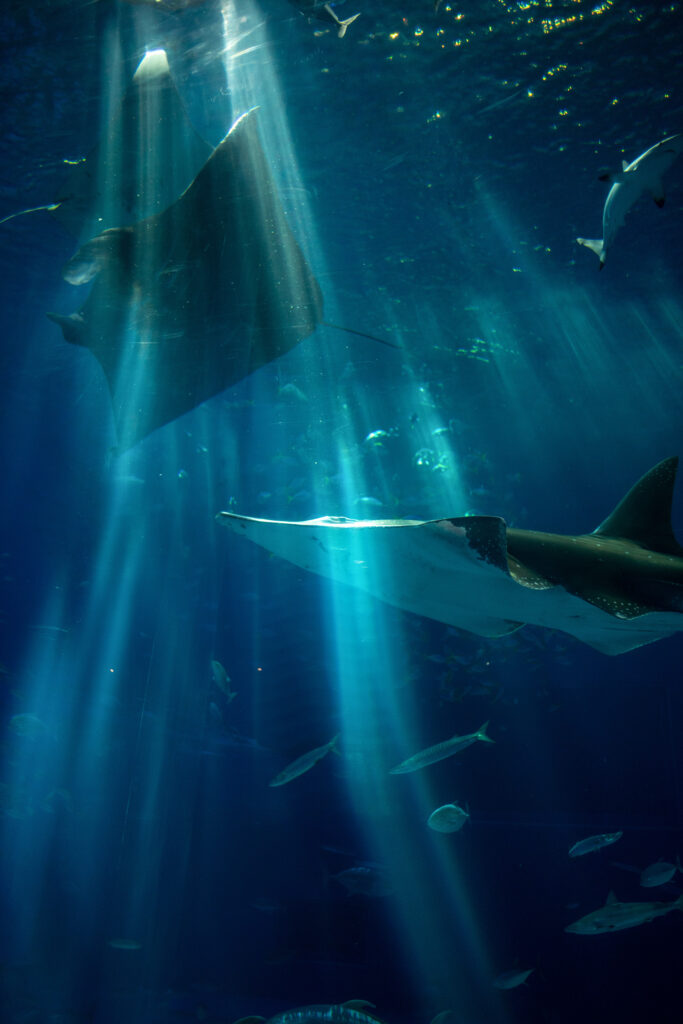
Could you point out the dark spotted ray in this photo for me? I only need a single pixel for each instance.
(616, 589)
(189, 301)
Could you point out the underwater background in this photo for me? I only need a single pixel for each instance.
(436, 167)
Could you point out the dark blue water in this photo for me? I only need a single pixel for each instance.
(436, 167)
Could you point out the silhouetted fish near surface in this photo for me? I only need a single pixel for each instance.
(643, 175)
(616, 916)
(191, 300)
(615, 589)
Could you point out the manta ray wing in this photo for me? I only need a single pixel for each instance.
(149, 153)
(189, 301)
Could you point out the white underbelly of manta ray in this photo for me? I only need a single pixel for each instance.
(616, 589)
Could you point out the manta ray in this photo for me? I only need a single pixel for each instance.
(616, 588)
(148, 154)
(643, 175)
(188, 301)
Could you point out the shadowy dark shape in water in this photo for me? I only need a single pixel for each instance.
(189, 301)
(616, 588)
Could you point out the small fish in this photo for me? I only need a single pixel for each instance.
(449, 818)
(512, 979)
(222, 680)
(440, 751)
(594, 843)
(616, 916)
(304, 763)
(365, 881)
(129, 944)
(659, 873)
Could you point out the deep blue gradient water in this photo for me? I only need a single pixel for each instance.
(436, 168)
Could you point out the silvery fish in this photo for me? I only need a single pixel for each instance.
(594, 843)
(511, 979)
(449, 818)
(440, 751)
(616, 916)
(659, 873)
(222, 680)
(337, 1013)
(304, 763)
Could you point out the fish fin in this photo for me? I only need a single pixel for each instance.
(624, 165)
(482, 733)
(334, 746)
(73, 326)
(341, 25)
(644, 514)
(95, 254)
(596, 244)
(611, 899)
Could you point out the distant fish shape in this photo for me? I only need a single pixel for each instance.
(659, 873)
(440, 751)
(449, 818)
(616, 916)
(512, 979)
(336, 1013)
(643, 175)
(593, 843)
(304, 763)
(365, 880)
(222, 681)
(128, 944)
(616, 588)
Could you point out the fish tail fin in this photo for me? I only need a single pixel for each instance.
(482, 733)
(334, 745)
(342, 25)
(596, 244)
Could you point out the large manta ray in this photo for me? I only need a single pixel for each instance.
(616, 589)
(190, 300)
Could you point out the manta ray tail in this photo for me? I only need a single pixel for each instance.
(361, 334)
(644, 514)
(596, 245)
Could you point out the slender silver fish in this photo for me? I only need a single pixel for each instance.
(440, 751)
(304, 763)
(594, 843)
